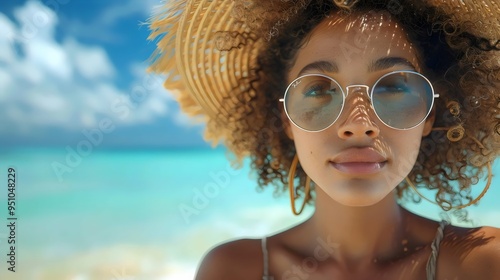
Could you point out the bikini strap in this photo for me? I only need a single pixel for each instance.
(432, 261)
(266, 260)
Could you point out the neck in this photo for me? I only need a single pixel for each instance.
(363, 235)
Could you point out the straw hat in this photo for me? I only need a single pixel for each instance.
(207, 48)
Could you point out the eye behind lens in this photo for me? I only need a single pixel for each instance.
(402, 99)
(313, 102)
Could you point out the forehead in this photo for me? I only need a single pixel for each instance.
(356, 39)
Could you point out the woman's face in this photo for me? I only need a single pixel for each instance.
(358, 160)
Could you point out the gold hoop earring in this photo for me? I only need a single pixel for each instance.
(291, 187)
(488, 183)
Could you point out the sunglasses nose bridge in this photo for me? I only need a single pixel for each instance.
(357, 98)
(358, 90)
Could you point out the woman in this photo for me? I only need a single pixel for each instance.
(354, 106)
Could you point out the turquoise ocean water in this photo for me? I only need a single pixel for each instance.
(142, 214)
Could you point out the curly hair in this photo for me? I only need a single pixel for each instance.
(464, 69)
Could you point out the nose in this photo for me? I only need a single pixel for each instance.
(357, 123)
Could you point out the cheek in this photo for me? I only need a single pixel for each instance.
(303, 142)
(311, 149)
(406, 150)
(310, 141)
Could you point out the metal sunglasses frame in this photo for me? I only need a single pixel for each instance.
(369, 92)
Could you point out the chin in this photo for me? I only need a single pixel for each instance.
(359, 202)
(359, 194)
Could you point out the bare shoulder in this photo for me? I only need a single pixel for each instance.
(239, 259)
(471, 253)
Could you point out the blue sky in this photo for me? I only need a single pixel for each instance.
(69, 68)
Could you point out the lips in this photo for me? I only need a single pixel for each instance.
(359, 161)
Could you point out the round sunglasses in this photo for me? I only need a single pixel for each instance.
(400, 99)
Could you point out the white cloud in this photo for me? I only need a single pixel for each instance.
(35, 21)
(7, 53)
(159, 97)
(67, 83)
(49, 57)
(5, 83)
(91, 62)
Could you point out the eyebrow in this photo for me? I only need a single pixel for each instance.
(377, 65)
(322, 65)
(388, 62)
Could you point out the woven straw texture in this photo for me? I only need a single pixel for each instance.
(202, 59)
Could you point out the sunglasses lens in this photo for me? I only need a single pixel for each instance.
(402, 100)
(313, 102)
